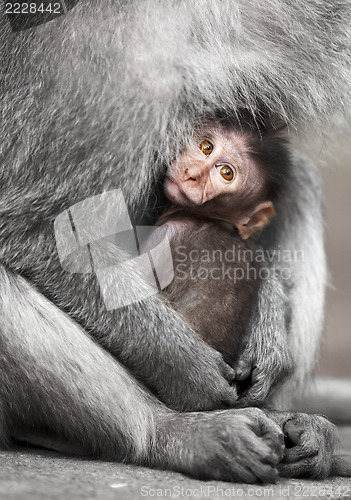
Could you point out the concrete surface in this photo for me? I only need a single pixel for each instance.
(336, 171)
(30, 474)
(329, 396)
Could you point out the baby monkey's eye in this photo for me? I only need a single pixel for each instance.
(226, 171)
(206, 147)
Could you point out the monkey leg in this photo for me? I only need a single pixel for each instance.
(309, 442)
(294, 243)
(56, 380)
(60, 388)
(266, 360)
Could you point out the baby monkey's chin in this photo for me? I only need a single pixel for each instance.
(174, 193)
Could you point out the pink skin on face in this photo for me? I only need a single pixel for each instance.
(195, 178)
(218, 177)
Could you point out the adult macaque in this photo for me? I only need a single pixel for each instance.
(100, 99)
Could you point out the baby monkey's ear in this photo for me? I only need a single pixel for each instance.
(256, 220)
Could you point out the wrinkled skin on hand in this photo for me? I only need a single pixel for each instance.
(309, 444)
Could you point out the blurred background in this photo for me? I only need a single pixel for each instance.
(336, 349)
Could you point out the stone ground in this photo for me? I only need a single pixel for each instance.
(34, 474)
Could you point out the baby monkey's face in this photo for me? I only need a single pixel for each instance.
(218, 176)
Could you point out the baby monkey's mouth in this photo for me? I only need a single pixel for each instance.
(175, 194)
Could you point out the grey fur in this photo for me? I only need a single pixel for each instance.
(102, 98)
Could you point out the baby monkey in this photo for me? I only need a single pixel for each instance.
(221, 191)
(228, 175)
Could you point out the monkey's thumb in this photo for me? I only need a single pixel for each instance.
(341, 465)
